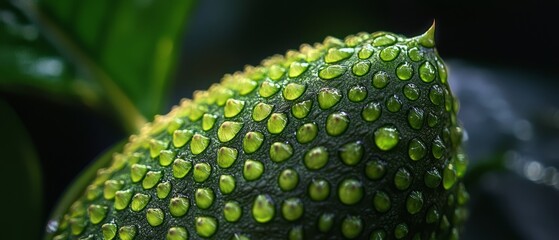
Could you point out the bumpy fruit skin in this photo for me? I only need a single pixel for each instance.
(349, 139)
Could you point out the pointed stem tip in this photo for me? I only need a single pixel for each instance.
(428, 38)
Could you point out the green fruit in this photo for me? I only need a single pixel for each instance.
(349, 139)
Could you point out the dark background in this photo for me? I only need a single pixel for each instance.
(507, 47)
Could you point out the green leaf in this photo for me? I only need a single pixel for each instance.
(20, 176)
(126, 49)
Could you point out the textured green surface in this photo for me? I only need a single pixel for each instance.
(286, 150)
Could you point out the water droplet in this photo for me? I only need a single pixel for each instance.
(139, 202)
(401, 231)
(438, 148)
(414, 202)
(432, 178)
(292, 209)
(402, 179)
(393, 103)
(380, 79)
(307, 133)
(155, 216)
(226, 157)
(382, 202)
(155, 147)
(137, 172)
(206, 226)
(350, 191)
(335, 55)
(297, 68)
(436, 95)
(357, 93)
(201, 172)
(204, 197)
(404, 71)
(178, 206)
(432, 215)
(351, 153)
(319, 189)
(109, 231)
(233, 107)
(111, 186)
(97, 213)
(232, 211)
(316, 158)
(163, 190)
(301, 109)
(375, 170)
(177, 233)
(288, 179)
(293, 91)
(365, 52)
(361, 68)
(208, 121)
(331, 72)
(328, 97)
(252, 141)
(449, 176)
(415, 54)
(411, 91)
(199, 143)
(325, 222)
(127, 232)
(263, 208)
(378, 234)
(280, 152)
(276, 123)
(151, 179)
(261, 111)
(427, 72)
(371, 112)
(181, 137)
(386, 137)
(352, 226)
(226, 184)
(389, 53)
(252, 170)
(275, 72)
(181, 168)
(268, 89)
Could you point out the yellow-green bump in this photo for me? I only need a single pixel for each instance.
(275, 72)
(380, 80)
(325, 222)
(319, 189)
(206, 226)
(201, 172)
(357, 93)
(155, 216)
(378, 234)
(351, 153)
(127, 232)
(155, 147)
(199, 143)
(204, 197)
(228, 130)
(301, 109)
(252, 170)
(181, 168)
(226, 157)
(401, 231)
(328, 97)
(226, 184)
(382, 202)
(137, 172)
(350, 191)
(337, 123)
(233, 107)
(261, 111)
(416, 149)
(268, 89)
(263, 208)
(316, 158)
(139, 202)
(297, 68)
(252, 141)
(152, 178)
(352, 226)
(335, 55)
(292, 209)
(163, 189)
(293, 91)
(414, 202)
(97, 213)
(449, 176)
(295, 233)
(122, 199)
(371, 112)
(232, 211)
(111, 186)
(181, 137)
(361, 68)
(276, 123)
(280, 151)
(375, 170)
(77, 225)
(177, 233)
(208, 121)
(331, 72)
(365, 52)
(288, 179)
(390, 53)
(404, 71)
(387, 137)
(437, 148)
(393, 103)
(178, 206)
(427, 72)
(432, 215)
(92, 192)
(109, 231)
(432, 178)
(402, 179)
(166, 157)
(306, 133)
(384, 40)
